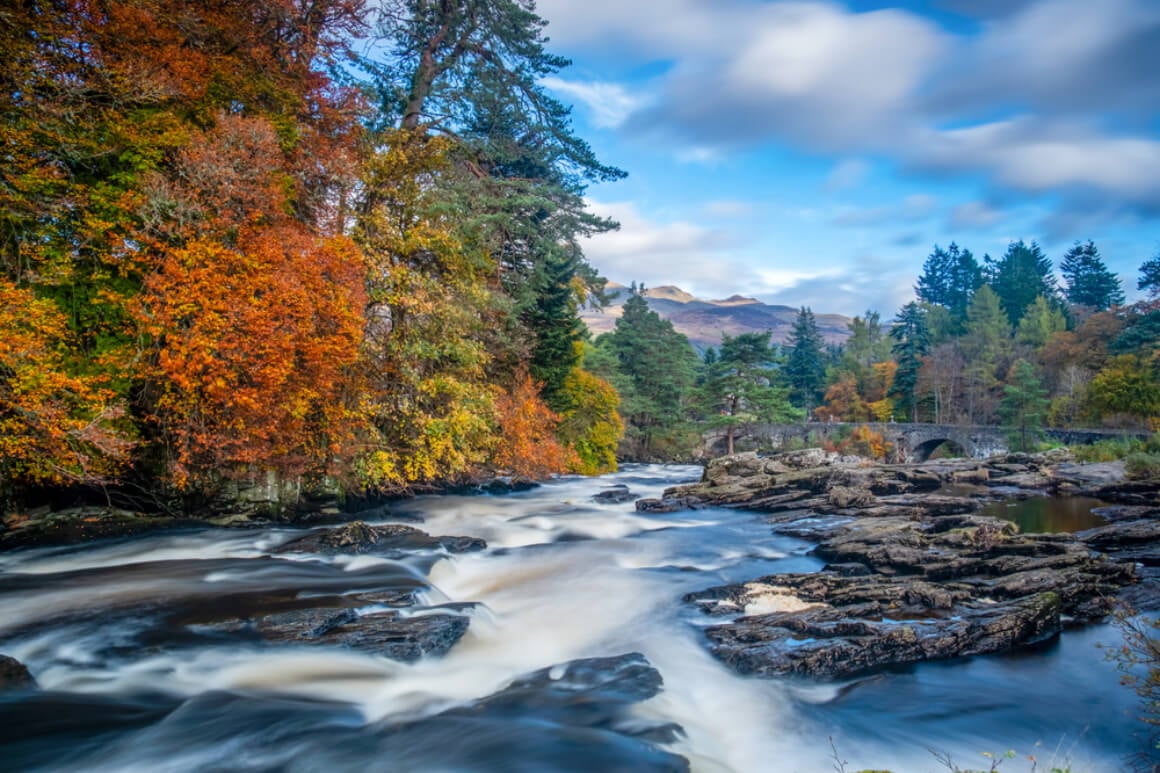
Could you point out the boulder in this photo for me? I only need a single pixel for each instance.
(614, 495)
(14, 675)
(389, 539)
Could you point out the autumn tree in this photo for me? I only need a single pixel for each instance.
(1041, 321)
(249, 355)
(1087, 280)
(1127, 390)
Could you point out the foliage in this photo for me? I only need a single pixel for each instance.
(590, 425)
(658, 369)
(1088, 282)
(911, 341)
(55, 427)
(249, 356)
(863, 441)
(1041, 321)
(1143, 466)
(804, 368)
(1024, 407)
(741, 389)
(1127, 385)
(528, 446)
(949, 279)
(1149, 280)
(1019, 277)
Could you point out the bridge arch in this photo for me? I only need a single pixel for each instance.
(927, 448)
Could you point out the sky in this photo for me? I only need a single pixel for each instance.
(813, 153)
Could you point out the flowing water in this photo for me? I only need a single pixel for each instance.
(133, 679)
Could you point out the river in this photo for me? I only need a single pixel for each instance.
(130, 682)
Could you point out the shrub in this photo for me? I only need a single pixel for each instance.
(1143, 466)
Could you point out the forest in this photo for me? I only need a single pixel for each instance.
(330, 242)
(297, 240)
(993, 342)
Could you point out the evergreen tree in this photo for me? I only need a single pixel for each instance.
(1150, 276)
(1019, 277)
(949, 279)
(911, 342)
(986, 345)
(555, 327)
(1024, 407)
(805, 368)
(1088, 280)
(659, 366)
(741, 387)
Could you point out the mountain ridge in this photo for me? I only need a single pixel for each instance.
(705, 321)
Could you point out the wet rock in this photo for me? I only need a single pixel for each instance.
(80, 524)
(401, 637)
(388, 539)
(14, 675)
(614, 495)
(667, 505)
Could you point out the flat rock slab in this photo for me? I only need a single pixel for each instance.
(391, 540)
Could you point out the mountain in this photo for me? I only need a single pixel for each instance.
(705, 321)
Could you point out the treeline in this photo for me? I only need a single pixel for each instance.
(290, 241)
(996, 341)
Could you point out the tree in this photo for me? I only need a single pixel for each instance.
(250, 351)
(1088, 281)
(590, 424)
(949, 279)
(1041, 321)
(986, 346)
(740, 389)
(805, 370)
(911, 342)
(1127, 386)
(1150, 276)
(1019, 277)
(1024, 407)
(659, 366)
(554, 325)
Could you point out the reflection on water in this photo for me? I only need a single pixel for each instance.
(1048, 515)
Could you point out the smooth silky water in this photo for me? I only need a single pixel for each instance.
(130, 683)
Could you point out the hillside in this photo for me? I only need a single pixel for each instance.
(705, 321)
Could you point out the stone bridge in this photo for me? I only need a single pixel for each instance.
(914, 442)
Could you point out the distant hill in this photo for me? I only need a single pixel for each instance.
(705, 321)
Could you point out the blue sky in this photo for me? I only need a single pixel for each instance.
(812, 153)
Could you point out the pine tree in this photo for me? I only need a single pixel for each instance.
(1042, 320)
(1088, 280)
(741, 387)
(805, 368)
(1019, 277)
(1024, 407)
(659, 368)
(1150, 276)
(555, 328)
(949, 279)
(911, 342)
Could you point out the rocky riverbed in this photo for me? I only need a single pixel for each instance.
(913, 571)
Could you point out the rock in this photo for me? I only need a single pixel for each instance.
(614, 495)
(667, 505)
(399, 637)
(844, 496)
(14, 675)
(388, 539)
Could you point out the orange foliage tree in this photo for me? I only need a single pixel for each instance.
(527, 445)
(251, 350)
(54, 427)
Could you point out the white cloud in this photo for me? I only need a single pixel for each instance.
(848, 173)
(728, 208)
(609, 103)
(974, 214)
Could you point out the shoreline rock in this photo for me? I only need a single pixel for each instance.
(913, 572)
(14, 675)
